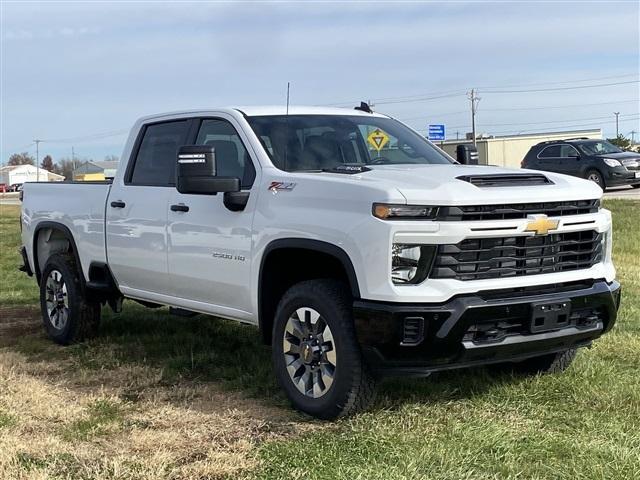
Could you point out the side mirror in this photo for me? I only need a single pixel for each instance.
(196, 172)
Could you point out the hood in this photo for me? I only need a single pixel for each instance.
(620, 155)
(624, 157)
(438, 184)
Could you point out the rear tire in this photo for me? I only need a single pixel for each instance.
(545, 364)
(596, 177)
(316, 357)
(67, 315)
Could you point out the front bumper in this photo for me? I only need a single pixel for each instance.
(483, 328)
(621, 176)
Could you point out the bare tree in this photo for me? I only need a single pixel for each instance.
(21, 159)
(64, 167)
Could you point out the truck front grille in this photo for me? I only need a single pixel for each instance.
(516, 210)
(477, 259)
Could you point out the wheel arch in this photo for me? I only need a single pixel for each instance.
(323, 260)
(59, 240)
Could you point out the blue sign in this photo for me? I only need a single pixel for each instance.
(436, 132)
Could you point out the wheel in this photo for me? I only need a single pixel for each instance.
(68, 317)
(316, 356)
(637, 185)
(545, 364)
(596, 177)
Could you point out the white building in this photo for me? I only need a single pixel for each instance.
(13, 174)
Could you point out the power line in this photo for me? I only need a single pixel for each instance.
(562, 88)
(567, 126)
(95, 136)
(558, 106)
(545, 122)
(636, 115)
(567, 81)
(452, 93)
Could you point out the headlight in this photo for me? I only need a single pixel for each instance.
(410, 264)
(612, 162)
(387, 211)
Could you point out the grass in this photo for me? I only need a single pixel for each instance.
(158, 396)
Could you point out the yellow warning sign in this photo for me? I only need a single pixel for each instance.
(378, 139)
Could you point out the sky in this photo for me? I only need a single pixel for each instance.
(77, 75)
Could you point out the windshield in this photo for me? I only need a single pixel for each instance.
(598, 148)
(321, 142)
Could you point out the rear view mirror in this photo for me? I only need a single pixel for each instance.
(196, 172)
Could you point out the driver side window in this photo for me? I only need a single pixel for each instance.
(232, 158)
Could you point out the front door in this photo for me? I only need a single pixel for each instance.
(137, 211)
(209, 251)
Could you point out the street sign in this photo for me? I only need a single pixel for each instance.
(378, 139)
(436, 132)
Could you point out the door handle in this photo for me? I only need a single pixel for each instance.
(179, 208)
(118, 204)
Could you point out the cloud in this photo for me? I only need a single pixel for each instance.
(82, 65)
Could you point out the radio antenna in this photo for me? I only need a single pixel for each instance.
(288, 85)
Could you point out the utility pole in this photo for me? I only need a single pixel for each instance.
(616, 114)
(37, 142)
(474, 107)
(73, 158)
(633, 137)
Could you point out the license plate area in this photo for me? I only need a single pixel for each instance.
(550, 316)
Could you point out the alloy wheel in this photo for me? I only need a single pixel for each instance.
(309, 351)
(57, 300)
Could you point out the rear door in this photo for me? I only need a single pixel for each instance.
(570, 160)
(210, 245)
(137, 210)
(549, 159)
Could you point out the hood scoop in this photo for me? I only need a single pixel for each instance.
(506, 180)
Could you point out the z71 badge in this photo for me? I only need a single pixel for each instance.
(276, 187)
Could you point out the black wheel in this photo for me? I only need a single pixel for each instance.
(316, 356)
(551, 363)
(68, 317)
(596, 177)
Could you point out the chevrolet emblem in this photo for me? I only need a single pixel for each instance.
(540, 224)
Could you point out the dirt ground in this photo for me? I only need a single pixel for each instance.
(118, 423)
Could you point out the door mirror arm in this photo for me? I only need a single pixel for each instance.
(236, 201)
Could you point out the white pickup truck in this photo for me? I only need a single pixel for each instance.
(355, 245)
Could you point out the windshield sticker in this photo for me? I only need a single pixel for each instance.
(378, 139)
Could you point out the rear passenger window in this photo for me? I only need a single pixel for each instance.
(552, 151)
(567, 151)
(232, 159)
(155, 162)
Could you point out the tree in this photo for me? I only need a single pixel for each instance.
(21, 159)
(65, 167)
(621, 142)
(111, 158)
(47, 163)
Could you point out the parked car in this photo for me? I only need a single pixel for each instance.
(356, 246)
(596, 160)
(16, 187)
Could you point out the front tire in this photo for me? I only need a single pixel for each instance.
(67, 315)
(596, 177)
(316, 356)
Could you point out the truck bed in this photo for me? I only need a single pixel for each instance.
(78, 206)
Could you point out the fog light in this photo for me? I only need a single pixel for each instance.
(410, 264)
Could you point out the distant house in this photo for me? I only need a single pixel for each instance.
(91, 170)
(18, 174)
